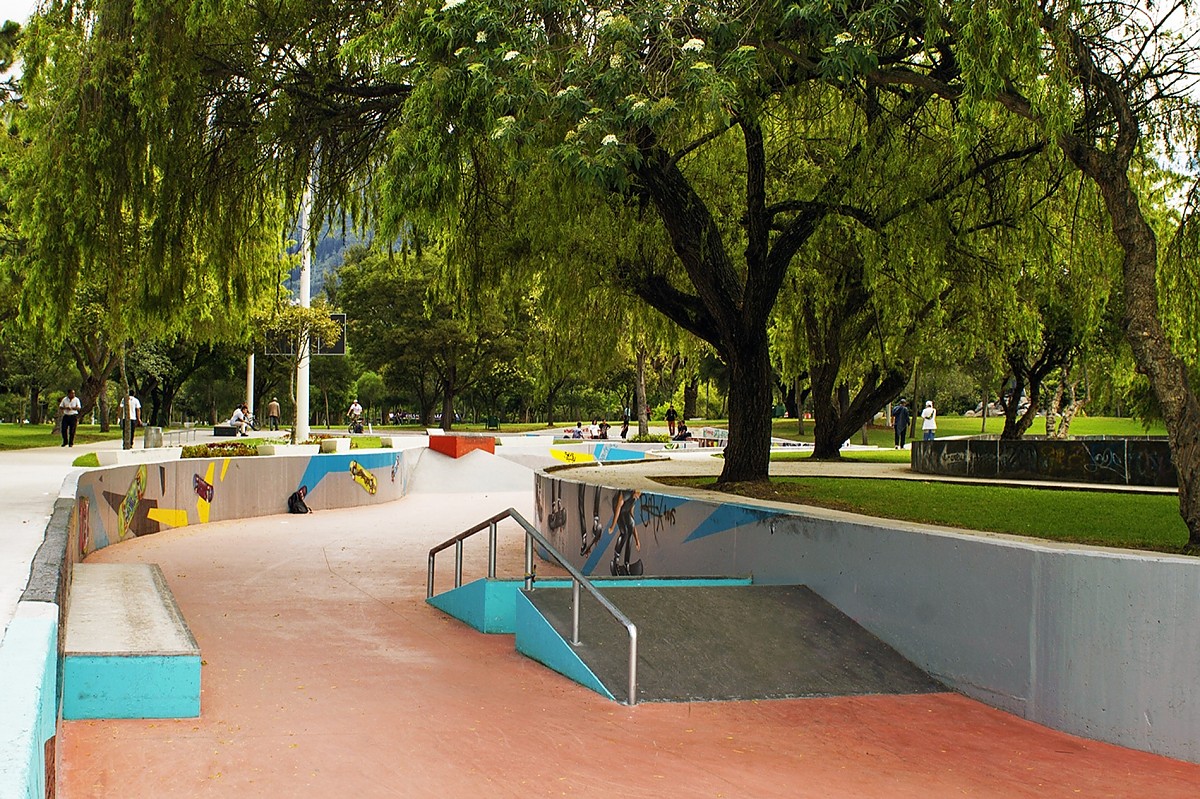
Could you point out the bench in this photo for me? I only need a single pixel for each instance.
(224, 430)
(128, 653)
(177, 437)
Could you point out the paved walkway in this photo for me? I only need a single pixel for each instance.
(326, 674)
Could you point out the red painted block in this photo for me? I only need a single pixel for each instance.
(457, 446)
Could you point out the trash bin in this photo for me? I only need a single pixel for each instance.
(153, 438)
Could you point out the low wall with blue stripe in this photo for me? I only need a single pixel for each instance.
(1097, 642)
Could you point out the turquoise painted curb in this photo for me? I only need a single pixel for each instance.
(28, 698)
(538, 640)
(124, 687)
(488, 605)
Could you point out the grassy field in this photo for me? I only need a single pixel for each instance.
(1134, 521)
(28, 436)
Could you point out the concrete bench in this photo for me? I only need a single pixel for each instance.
(224, 430)
(128, 651)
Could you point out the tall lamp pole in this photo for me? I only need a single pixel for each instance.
(308, 242)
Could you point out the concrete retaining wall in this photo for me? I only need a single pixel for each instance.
(124, 501)
(1110, 461)
(1100, 643)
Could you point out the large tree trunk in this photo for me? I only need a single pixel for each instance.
(1151, 348)
(691, 397)
(748, 453)
(35, 404)
(639, 394)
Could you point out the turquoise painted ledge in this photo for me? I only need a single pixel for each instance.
(131, 687)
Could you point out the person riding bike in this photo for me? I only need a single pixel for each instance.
(355, 415)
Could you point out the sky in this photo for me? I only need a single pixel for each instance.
(17, 9)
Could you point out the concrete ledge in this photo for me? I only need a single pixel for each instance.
(118, 457)
(128, 651)
(335, 445)
(224, 430)
(289, 449)
(456, 446)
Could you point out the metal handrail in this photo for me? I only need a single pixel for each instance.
(577, 578)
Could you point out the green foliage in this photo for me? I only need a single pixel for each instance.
(86, 461)
(221, 449)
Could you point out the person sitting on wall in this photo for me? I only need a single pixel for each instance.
(684, 434)
(239, 421)
(578, 431)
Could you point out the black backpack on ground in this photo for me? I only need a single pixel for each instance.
(296, 504)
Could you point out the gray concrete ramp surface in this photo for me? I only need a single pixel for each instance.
(732, 643)
(477, 472)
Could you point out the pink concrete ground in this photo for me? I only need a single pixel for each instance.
(326, 675)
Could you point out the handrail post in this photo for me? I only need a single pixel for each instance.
(458, 550)
(574, 611)
(633, 664)
(492, 552)
(429, 579)
(528, 562)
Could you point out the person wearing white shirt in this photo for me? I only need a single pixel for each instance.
(131, 417)
(69, 407)
(239, 421)
(929, 421)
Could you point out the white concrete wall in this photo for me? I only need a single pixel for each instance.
(1100, 643)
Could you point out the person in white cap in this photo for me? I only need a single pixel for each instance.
(929, 420)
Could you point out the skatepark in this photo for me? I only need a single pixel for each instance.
(323, 670)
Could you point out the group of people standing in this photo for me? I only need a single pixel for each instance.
(901, 416)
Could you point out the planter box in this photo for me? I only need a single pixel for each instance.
(288, 449)
(335, 445)
(118, 457)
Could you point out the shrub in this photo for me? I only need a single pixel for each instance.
(651, 438)
(222, 449)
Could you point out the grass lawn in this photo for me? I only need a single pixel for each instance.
(28, 436)
(1134, 521)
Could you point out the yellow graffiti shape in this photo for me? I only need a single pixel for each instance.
(363, 477)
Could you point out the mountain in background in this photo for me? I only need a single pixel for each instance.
(329, 257)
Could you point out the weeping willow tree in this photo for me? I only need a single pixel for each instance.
(1114, 85)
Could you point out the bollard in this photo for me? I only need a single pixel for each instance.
(153, 438)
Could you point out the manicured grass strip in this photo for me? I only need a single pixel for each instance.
(859, 455)
(86, 460)
(1133, 521)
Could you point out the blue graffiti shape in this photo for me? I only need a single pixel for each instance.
(729, 517)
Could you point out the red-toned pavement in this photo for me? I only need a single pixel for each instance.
(327, 675)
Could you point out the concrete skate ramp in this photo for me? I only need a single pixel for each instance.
(732, 643)
(474, 473)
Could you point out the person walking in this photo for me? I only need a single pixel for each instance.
(901, 416)
(929, 421)
(69, 407)
(131, 418)
(671, 417)
(273, 413)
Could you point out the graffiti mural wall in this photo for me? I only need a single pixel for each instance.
(121, 502)
(606, 531)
